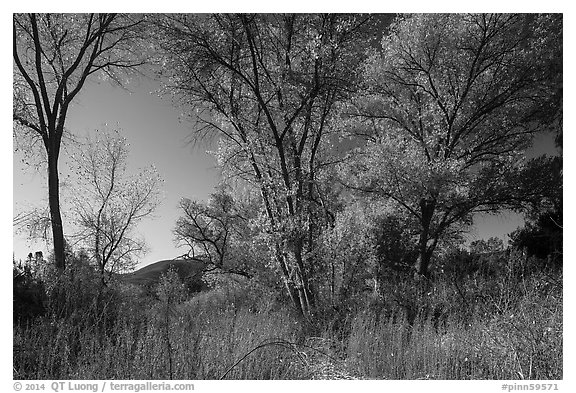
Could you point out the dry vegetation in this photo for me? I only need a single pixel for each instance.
(476, 327)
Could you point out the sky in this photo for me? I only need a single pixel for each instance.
(157, 136)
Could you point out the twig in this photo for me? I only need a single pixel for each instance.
(281, 343)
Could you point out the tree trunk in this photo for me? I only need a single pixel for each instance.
(306, 295)
(423, 263)
(102, 276)
(424, 252)
(55, 215)
(288, 282)
(293, 282)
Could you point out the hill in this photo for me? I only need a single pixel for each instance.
(189, 271)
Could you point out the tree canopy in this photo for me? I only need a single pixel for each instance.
(360, 154)
(449, 106)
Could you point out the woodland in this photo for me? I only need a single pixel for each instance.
(355, 151)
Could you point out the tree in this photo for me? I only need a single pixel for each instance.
(448, 107)
(269, 84)
(394, 249)
(110, 202)
(541, 178)
(212, 230)
(541, 237)
(542, 233)
(54, 54)
(349, 253)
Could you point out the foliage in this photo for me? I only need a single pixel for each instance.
(542, 233)
(77, 297)
(449, 105)
(109, 202)
(394, 243)
(349, 256)
(483, 327)
(29, 295)
(541, 238)
(205, 338)
(170, 290)
(225, 233)
(269, 84)
(541, 179)
(493, 244)
(507, 326)
(307, 279)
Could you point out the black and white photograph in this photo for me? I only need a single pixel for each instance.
(302, 196)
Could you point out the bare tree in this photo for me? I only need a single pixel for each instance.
(207, 228)
(110, 202)
(54, 54)
(215, 231)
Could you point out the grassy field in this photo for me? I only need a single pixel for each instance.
(509, 327)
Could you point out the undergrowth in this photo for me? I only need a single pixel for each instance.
(508, 326)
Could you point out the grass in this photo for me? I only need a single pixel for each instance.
(512, 333)
(200, 349)
(509, 327)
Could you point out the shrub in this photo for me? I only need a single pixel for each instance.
(29, 294)
(507, 326)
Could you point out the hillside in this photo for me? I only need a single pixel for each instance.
(189, 271)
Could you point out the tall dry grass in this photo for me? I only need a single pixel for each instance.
(512, 331)
(507, 326)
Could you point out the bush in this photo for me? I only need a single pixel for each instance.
(78, 296)
(29, 294)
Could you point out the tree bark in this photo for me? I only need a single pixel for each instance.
(424, 252)
(55, 215)
(305, 292)
(288, 282)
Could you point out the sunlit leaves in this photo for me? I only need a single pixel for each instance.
(450, 105)
(348, 250)
(269, 84)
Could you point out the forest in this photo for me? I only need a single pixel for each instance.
(355, 152)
